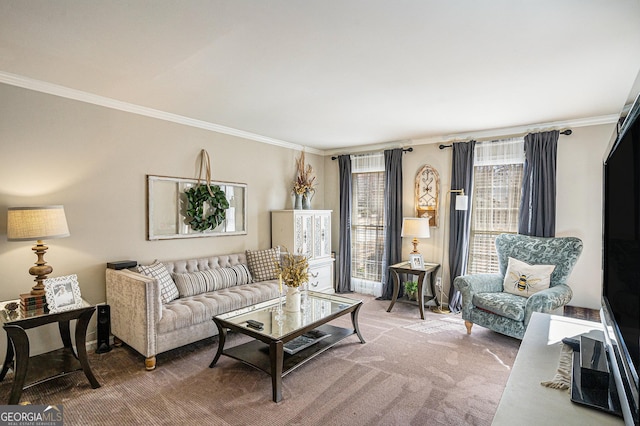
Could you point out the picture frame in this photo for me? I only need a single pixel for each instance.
(62, 293)
(416, 261)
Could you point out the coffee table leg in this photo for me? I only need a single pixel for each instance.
(276, 355)
(222, 336)
(354, 321)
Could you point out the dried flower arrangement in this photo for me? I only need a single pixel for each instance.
(305, 181)
(293, 269)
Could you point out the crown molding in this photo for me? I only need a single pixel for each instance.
(90, 98)
(490, 134)
(523, 130)
(81, 96)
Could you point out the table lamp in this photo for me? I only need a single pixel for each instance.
(37, 223)
(416, 227)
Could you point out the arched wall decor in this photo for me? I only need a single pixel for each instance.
(427, 194)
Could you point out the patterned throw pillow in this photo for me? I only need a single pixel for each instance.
(229, 277)
(192, 283)
(262, 263)
(157, 270)
(524, 280)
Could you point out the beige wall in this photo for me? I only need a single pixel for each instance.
(579, 206)
(94, 161)
(578, 203)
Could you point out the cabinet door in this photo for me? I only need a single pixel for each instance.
(304, 234)
(322, 228)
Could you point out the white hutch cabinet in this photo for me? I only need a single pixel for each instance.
(307, 232)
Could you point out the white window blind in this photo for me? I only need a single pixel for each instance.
(367, 223)
(497, 184)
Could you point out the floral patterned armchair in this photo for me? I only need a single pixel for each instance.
(485, 303)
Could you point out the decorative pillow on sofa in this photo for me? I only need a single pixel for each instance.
(168, 289)
(262, 263)
(192, 283)
(228, 277)
(524, 280)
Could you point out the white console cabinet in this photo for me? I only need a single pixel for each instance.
(307, 232)
(524, 400)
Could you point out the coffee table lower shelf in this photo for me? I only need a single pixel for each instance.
(266, 352)
(256, 353)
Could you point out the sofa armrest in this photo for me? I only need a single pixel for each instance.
(469, 285)
(547, 300)
(136, 308)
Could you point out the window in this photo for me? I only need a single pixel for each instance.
(367, 222)
(497, 184)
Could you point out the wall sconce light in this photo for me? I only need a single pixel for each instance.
(37, 223)
(416, 227)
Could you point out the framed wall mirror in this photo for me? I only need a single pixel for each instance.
(167, 206)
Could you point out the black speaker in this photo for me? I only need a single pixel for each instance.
(122, 264)
(104, 329)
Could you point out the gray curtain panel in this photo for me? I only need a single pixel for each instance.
(538, 204)
(460, 221)
(343, 281)
(393, 219)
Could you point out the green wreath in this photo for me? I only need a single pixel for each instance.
(197, 196)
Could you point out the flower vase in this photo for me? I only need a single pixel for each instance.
(297, 205)
(306, 200)
(293, 320)
(292, 301)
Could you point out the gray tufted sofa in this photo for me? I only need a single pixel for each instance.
(143, 321)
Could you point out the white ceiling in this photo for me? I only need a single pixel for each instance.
(334, 75)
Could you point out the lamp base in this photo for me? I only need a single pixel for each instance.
(415, 246)
(440, 310)
(38, 289)
(40, 270)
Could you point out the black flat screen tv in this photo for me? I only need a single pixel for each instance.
(620, 311)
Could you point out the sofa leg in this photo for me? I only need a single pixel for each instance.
(150, 363)
(468, 324)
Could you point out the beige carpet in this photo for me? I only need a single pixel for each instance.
(410, 372)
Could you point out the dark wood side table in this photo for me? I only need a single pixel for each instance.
(405, 268)
(29, 371)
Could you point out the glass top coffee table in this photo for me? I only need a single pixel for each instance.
(289, 340)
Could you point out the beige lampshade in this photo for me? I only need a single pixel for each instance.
(416, 227)
(36, 223)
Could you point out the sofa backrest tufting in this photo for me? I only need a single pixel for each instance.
(205, 263)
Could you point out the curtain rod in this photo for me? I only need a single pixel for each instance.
(564, 132)
(410, 149)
